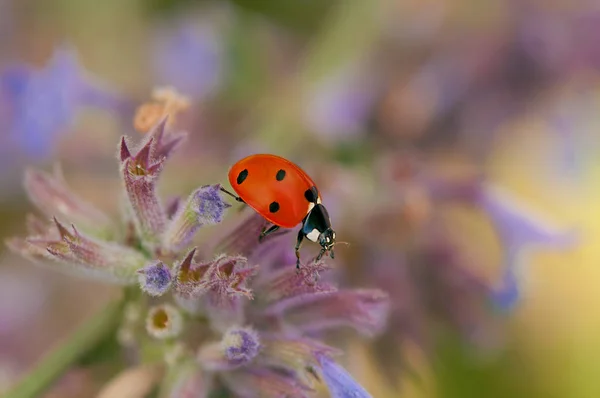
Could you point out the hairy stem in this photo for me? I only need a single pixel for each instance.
(93, 332)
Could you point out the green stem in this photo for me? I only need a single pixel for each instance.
(93, 332)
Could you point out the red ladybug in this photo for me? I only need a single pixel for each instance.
(284, 195)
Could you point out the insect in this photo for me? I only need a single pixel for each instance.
(284, 195)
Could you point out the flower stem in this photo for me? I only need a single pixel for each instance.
(93, 332)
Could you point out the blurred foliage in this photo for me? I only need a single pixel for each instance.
(304, 17)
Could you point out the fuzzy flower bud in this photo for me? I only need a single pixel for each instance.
(238, 347)
(82, 254)
(164, 322)
(223, 288)
(189, 276)
(205, 206)
(155, 279)
(140, 174)
(50, 194)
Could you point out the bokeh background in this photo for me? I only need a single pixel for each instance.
(456, 144)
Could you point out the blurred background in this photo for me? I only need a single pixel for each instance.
(456, 145)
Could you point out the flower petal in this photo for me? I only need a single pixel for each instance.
(205, 206)
(264, 382)
(521, 231)
(340, 383)
(365, 310)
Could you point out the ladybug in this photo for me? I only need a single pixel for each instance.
(284, 195)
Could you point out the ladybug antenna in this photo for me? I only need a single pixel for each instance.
(232, 195)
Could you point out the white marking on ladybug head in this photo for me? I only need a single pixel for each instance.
(313, 235)
(310, 207)
(319, 199)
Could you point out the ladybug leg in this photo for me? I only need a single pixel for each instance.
(320, 254)
(232, 195)
(297, 249)
(265, 232)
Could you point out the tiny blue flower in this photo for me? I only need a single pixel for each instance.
(155, 279)
(210, 204)
(240, 345)
(339, 382)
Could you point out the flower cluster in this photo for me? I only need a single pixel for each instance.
(415, 254)
(228, 314)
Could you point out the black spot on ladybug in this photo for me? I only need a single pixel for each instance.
(242, 176)
(274, 207)
(311, 194)
(280, 175)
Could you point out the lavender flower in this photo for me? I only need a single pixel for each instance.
(238, 347)
(155, 279)
(204, 207)
(338, 108)
(521, 232)
(38, 105)
(230, 313)
(188, 56)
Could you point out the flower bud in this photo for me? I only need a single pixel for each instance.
(155, 279)
(238, 347)
(205, 206)
(164, 322)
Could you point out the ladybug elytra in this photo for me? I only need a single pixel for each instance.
(284, 195)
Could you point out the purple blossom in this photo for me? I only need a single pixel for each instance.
(240, 345)
(339, 107)
(205, 206)
(140, 172)
(521, 231)
(197, 300)
(340, 383)
(39, 105)
(155, 279)
(188, 56)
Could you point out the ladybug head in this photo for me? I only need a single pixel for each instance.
(327, 241)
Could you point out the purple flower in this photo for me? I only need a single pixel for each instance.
(230, 309)
(188, 56)
(38, 105)
(339, 381)
(238, 347)
(140, 172)
(521, 231)
(155, 279)
(339, 107)
(205, 206)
